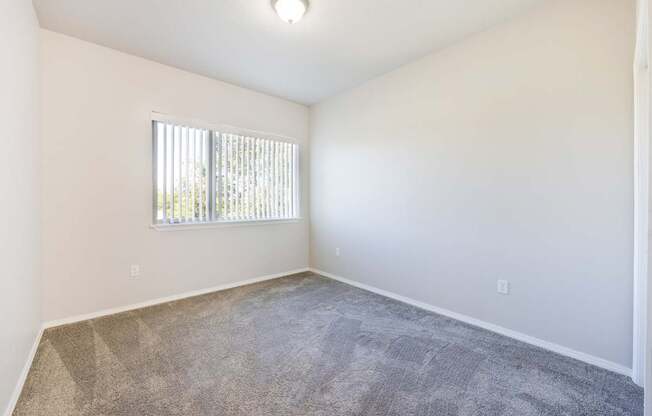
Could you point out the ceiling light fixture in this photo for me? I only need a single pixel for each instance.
(290, 11)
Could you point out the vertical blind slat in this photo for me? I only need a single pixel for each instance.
(287, 180)
(227, 187)
(173, 173)
(218, 173)
(254, 177)
(250, 201)
(263, 178)
(277, 181)
(205, 145)
(186, 161)
(168, 170)
(295, 181)
(248, 176)
(281, 214)
(220, 177)
(245, 176)
(234, 177)
(198, 173)
(162, 137)
(274, 181)
(241, 188)
(227, 165)
(227, 170)
(269, 189)
(286, 167)
(290, 177)
(281, 182)
(177, 173)
(195, 175)
(284, 180)
(242, 195)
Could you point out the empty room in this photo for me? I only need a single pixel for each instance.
(325, 207)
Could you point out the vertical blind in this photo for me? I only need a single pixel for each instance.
(203, 175)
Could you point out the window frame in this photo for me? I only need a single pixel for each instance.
(215, 221)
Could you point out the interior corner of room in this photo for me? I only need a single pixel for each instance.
(458, 200)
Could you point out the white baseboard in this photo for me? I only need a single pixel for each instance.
(587, 358)
(105, 312)
(23, 375)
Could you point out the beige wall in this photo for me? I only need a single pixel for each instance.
(19, 181)
(508, 156)
(97, 182)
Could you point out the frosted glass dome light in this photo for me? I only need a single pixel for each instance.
(290, 11)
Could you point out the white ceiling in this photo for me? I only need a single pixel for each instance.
(338, 44)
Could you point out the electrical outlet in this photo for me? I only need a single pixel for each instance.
(337, 252)
(503, 287)
(134, 270)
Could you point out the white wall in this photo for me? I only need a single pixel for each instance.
(508, 156)
(19, 182)
(97, 182)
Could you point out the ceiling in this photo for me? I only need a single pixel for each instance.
(338, 45)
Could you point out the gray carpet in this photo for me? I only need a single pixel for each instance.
(306, 345)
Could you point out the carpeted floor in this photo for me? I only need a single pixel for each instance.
(306, 345)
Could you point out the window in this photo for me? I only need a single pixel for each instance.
(206, 175)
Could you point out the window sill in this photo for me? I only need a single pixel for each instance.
(220, 224)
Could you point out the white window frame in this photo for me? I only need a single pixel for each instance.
(227, 129)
